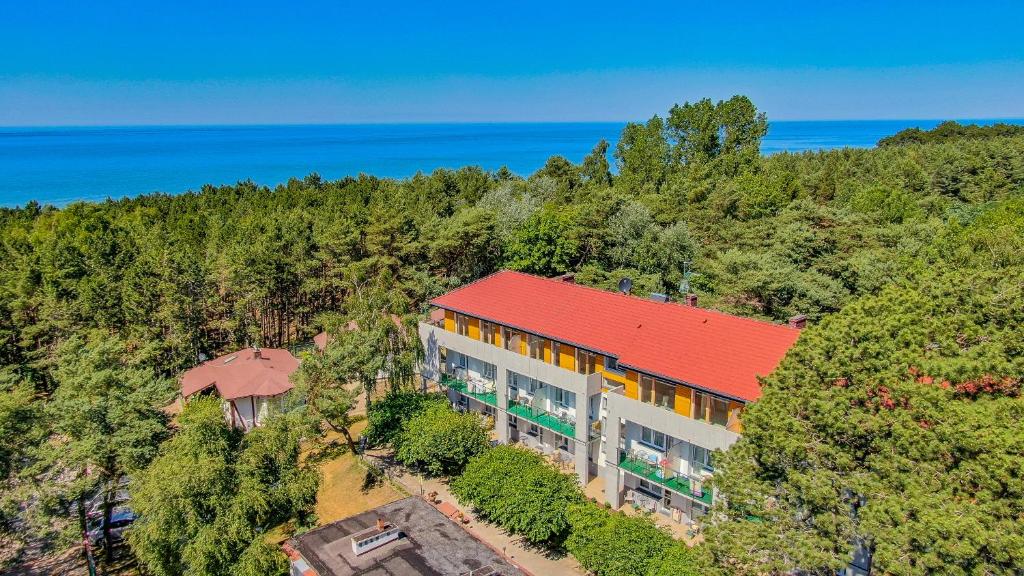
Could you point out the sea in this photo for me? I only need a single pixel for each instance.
(60, 165)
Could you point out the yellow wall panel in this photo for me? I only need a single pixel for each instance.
(547, 351)
(449, 320)
(474, 328)
(684, 400)
(735, 423)
(632, 389)
(566, 356)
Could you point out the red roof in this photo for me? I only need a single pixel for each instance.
(703, 348)
(243, 373)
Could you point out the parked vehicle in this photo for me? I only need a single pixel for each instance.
(120, 520)
(94, 506)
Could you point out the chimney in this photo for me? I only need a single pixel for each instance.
(691, 300)
(799, 321)
(380, 524)
(256, 353)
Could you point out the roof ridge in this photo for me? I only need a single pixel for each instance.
(640, 298)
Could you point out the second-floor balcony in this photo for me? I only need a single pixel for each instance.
(657, 471)
(481, 391)
(558, 423)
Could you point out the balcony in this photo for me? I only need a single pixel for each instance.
(653, 473)
(558, 424)
(434, 338)
(482, 394)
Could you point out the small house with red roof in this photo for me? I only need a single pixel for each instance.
(636, 391)
(251, 382)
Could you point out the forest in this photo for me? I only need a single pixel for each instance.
(906, 258)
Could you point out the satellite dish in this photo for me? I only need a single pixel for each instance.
(625, 285)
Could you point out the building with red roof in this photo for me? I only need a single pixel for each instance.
(251, 382)
(637, 390)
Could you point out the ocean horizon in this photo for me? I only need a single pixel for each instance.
(59, 165)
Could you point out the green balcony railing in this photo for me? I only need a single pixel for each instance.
(489, 398)
(655, 474)
(560, 425)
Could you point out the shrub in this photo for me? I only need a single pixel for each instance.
(609, 544)
(517, 489)
(387, 416)
(441, 441)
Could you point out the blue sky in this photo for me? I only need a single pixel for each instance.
(184, 62)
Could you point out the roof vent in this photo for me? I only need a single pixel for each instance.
(374, 537)
(659, 297)
(799, 321)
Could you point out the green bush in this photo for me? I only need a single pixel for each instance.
(386, 417)
(612, 544)
(441, 441)
(517, 489)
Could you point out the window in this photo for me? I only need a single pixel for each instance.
(647, 389)
(565, 398)
(710, 409)
(701, 457)
(612, 365)
(719, 412)
(490, 371)
(562, 442)
(461, 360)
(650, 488)
(462, 324)
(586, 362)
(506, 339)
(652, 438)
(700, 405)
(536, 344)
(664, 395)
(656, 392)
(488, 332)
(534, 430)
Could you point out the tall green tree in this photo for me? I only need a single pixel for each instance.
(896, 422)
(206, 501)
(105, 416)
(642, 156)
(595, 170)
(441, 441)
(517, 489)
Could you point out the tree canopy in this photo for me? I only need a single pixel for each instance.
(897, 423)
(926, 222)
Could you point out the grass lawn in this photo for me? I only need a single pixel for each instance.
(346, 487)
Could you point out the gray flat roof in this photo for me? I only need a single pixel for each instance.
(431, 544)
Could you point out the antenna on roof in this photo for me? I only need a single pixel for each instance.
(625, 285)
(684, 286)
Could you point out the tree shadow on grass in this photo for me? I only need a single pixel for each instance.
(326, 451)
(373, 478)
